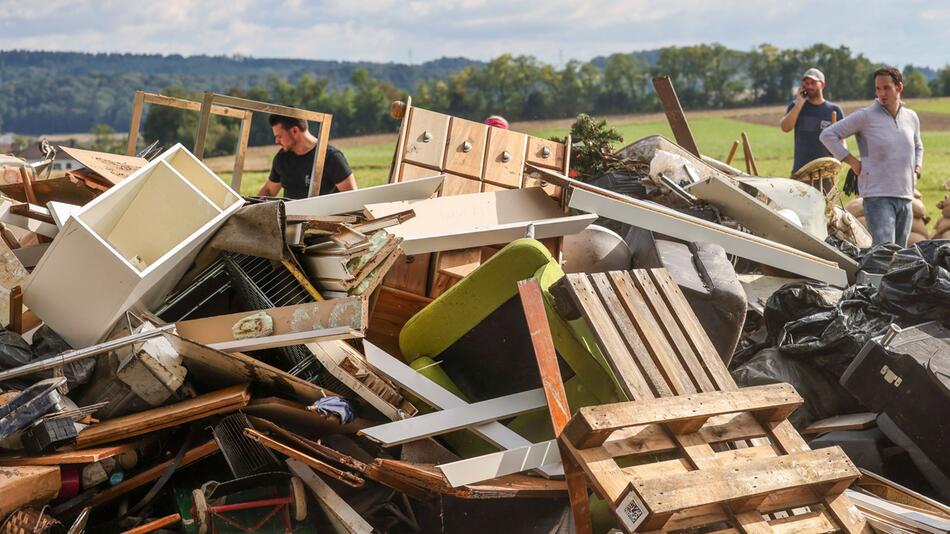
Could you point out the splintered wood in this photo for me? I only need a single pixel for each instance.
(693, 449)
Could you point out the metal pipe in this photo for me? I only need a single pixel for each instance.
(79, 354)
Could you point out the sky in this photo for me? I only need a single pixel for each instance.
(911, 31)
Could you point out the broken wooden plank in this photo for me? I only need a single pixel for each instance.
(674, 114)
(438, 397)
(349, 312)
(152, 473)
(83, 456)
(222, 401)
(212, 368)
(854, 421)
(340, 513)
(450, 419)
(23, 485)
(669, 222)
(337, 474)
(157, 524)
(555, 396)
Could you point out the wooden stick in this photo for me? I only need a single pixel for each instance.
(138, 102)
(155, 525)
(540, 330)
(749, 158)
(674, 113)
(347, 478)
(16, 310)
(732, 152)
(152, 473)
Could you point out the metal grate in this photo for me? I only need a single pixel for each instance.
(245, 456)
(259, 283)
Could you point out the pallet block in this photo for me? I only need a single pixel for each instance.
(129, 246)
(695, 451)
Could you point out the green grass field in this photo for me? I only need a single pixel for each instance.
(714, 135)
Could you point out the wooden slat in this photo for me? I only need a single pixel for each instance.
(664, 496)
(659, 348)
(611, 343)
(813, 523)
(593, 424)
(698, 339)
(222, 401)
(628, 333)
(670, 327)
(553, 386)
(674, 114)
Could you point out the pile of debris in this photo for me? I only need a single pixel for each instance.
(464, 346)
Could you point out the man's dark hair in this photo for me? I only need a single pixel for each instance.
(894, 73)
(288, 122)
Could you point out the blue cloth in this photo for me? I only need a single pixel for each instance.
(338, 406)
(889, 219)
(811, 121)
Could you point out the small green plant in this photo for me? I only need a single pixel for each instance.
(592, 143)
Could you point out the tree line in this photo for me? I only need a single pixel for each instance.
(525, 88)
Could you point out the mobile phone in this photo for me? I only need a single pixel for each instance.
(804, 93)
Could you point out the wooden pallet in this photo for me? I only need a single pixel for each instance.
(691, 449)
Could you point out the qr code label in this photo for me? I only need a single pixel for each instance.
(631, 512)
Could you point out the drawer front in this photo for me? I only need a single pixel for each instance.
(414, 172)
(466, 148)
(545, 153)
(505, 159)
(551, 189)
(425, 140)
(459, 185)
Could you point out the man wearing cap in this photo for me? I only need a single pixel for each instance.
(888, 135)
(808, 115)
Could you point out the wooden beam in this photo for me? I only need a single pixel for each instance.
(144, 477)
(438, 397)
(448, 420)
(536, 317)
(674, 114)
(138, 102)
(749, 158)
(732, 152)
(337, 474)
(152, 526)
(241, 151)
(323, 139)
(173, 415)
(204, 122)
(24, 485)
(661, 497)
(348, 312)
(686, 413)
(340, 513)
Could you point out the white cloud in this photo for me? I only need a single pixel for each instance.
(385, 30)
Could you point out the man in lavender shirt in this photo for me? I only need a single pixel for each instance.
(888, 136)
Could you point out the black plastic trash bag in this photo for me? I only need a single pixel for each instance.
(805, 321)
(917, 285)
(16, 352)
(877, 260)
(823, 395)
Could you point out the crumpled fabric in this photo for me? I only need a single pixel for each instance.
(917, 283)
(342, 408)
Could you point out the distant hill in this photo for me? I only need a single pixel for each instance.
(66, 92)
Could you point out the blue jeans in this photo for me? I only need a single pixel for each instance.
(889, 219)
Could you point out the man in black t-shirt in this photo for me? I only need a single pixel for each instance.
(293, 164)
(808, 115)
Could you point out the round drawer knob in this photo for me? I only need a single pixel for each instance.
(467, 146)
(545, 153)
(426, 137)
(505, 156)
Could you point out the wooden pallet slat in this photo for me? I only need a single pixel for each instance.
(713, 456)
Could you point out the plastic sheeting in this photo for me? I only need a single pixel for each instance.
(917, 283)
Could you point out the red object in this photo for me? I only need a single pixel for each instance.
(69, 481)
(497, 121)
